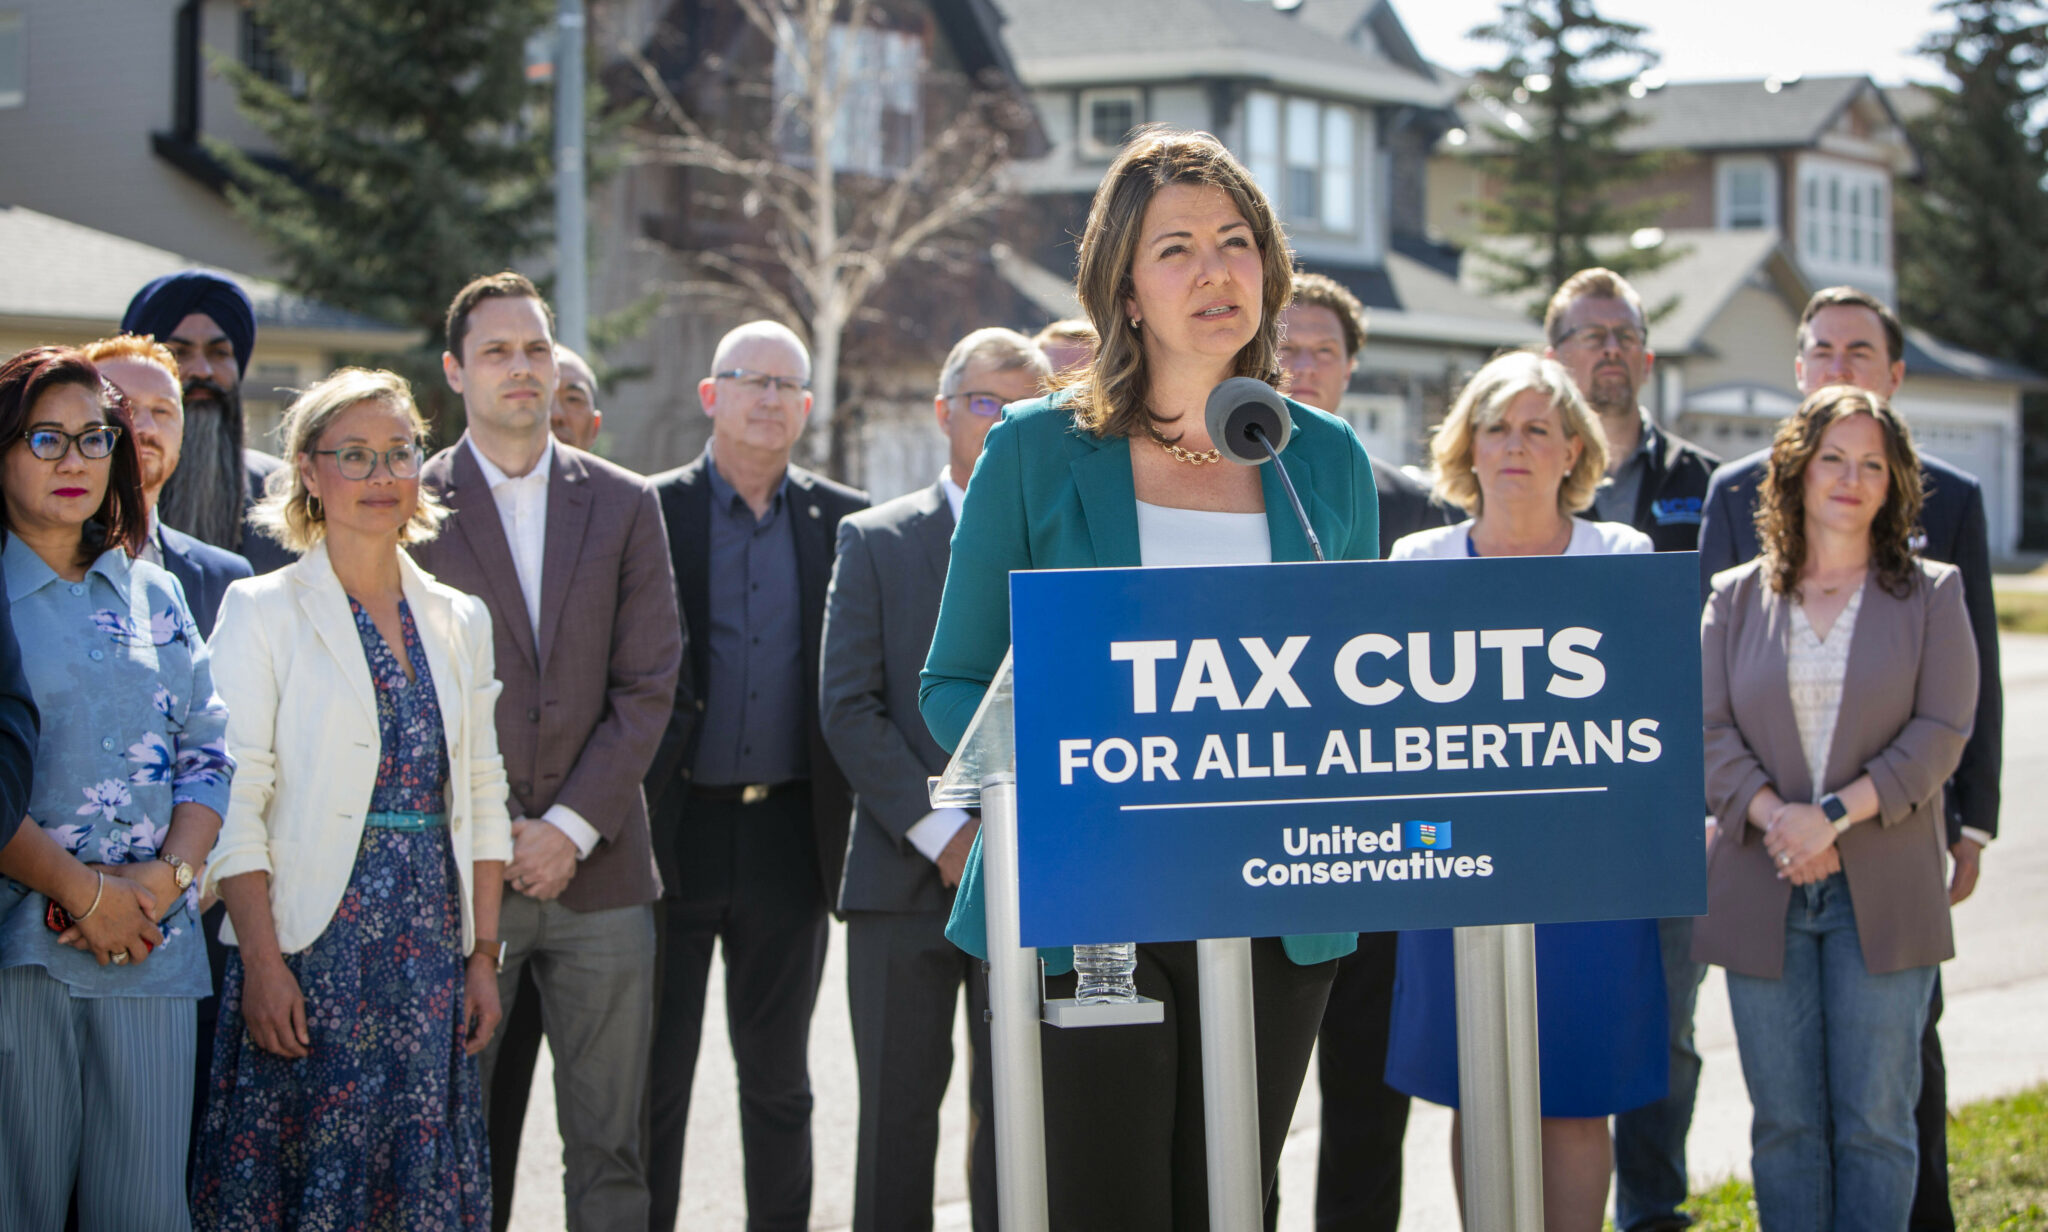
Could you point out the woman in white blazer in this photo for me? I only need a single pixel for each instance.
(362, 856)
(1523, 453)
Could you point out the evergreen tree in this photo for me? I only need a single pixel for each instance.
(412, 152)
(1558, 98)
(1973, 231)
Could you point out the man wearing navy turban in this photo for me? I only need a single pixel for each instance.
(210, 327)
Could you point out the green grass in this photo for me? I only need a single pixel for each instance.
(2022, 611)
(1998, 1172)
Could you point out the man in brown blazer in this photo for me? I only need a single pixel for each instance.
(569, 553)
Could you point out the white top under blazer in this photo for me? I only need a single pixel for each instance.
(1588, 539)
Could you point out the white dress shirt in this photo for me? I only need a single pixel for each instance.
(934, 830)
(523, 511)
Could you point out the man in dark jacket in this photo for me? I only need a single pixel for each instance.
(1657, 483)
(750, 809)
(1850, 337)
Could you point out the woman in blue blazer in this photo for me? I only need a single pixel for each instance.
(1184, 271)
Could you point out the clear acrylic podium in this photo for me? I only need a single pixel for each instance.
(1496, 988)
(983, 774)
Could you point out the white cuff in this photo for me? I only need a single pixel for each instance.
(931, 834)
(1977, 836)
(571, 823)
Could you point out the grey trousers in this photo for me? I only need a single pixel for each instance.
(95, 1090)
(595, 974)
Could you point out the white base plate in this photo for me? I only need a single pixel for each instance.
(1068, 1012)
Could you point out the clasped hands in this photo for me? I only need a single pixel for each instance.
(1801, 842)
(543, 859)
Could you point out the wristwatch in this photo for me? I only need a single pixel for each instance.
(180, 871)
(493, 949)
(1832, 808)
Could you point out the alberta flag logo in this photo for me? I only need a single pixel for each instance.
(1429, 835)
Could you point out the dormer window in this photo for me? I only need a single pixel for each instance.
(1107, 117)
(1303, 152)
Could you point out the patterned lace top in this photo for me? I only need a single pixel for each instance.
(1814, 670)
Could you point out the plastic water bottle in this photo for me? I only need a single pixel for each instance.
(1106, 974)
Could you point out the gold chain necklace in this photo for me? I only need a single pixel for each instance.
(1180, 454)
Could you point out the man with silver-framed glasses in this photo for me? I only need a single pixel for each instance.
(1657, 483)
(750, 809)
(904, 858)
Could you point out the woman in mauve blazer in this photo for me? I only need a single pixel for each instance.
(1827, 900)
(362, 856)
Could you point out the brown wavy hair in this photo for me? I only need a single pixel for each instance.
(122, 519)
(1110, 395)
(1781, 497)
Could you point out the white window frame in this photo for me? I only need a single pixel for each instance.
(1835, 240)
(1725, 172)
(878, 81)
(1092, 147)
(1276, 142)
(14, 34)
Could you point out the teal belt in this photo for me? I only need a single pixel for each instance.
(406, 821)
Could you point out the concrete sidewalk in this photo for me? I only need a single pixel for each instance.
(1997, 992)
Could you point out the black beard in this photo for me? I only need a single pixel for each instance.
(205, 496)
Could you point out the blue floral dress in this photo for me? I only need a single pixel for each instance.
(381, 1127)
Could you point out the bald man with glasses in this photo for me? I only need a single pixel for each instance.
(751, 810)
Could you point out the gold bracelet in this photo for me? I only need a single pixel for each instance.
(96, 896)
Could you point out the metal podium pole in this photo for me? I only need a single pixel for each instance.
(1013, 998)
(1230, 1085)
(1499, 1086)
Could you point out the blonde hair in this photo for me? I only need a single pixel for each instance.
(1109, 395)
(288, 512)
(1485, 400)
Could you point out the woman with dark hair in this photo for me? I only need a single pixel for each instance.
(102, 963)
(1840, 683)
(1183, 272)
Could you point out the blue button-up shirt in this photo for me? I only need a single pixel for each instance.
(753, 729)
(131, 729)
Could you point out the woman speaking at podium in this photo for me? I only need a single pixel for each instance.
(1523, 453)
(1183, 272)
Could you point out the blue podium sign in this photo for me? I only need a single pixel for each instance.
(1265, 750)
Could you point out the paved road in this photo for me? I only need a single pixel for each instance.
(1997, 998)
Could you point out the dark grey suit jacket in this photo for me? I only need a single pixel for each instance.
(879, 617)
(816, 506)
(204, 570)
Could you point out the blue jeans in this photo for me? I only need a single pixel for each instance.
(1831, 1054)
(1649, 1142)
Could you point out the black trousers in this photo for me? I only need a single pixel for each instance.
(1931, 1211)
(1124, 1140)
(1358, 1179)
(903, 983)
(747, 880)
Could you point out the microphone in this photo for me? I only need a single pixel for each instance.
(1249, 424)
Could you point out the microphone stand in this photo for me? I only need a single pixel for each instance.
(1258, 434)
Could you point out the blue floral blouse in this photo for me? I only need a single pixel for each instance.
(131, 728)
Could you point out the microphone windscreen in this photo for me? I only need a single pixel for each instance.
(1235, 407)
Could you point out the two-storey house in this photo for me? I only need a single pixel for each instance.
(1334, 111)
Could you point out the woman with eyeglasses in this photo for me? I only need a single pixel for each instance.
(362, 858)
(102, 963)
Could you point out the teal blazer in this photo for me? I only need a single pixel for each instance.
(1047, 495)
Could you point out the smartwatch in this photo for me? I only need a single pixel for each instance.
(1837, 813)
